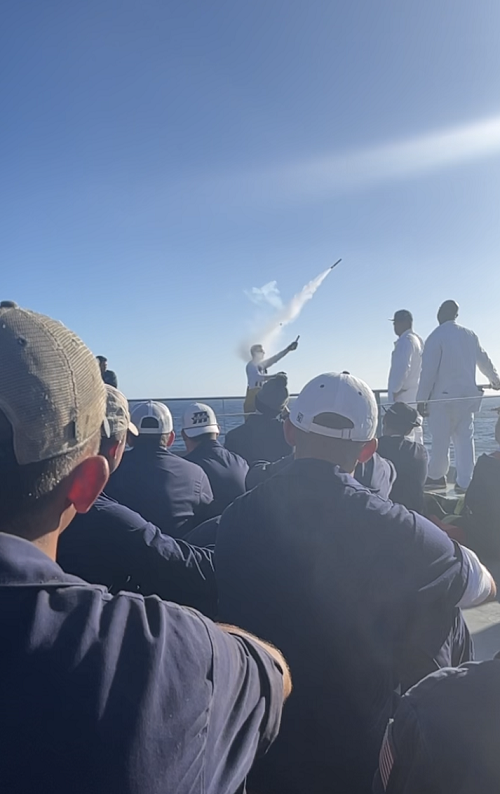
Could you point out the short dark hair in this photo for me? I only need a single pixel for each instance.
(151, 441)
(203, 437)
(101, 358)
(26, 489)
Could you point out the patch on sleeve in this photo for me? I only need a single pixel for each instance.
(386, 758)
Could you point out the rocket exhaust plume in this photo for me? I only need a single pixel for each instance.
(268, 332)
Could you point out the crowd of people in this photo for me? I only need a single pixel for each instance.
(272, 614)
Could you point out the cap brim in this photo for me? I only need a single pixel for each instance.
(132, 429)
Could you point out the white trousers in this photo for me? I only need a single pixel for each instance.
(452, 422)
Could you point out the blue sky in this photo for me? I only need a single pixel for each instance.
(159, 159)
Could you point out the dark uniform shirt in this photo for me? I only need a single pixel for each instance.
(114, 546)
(343, 582)
(121, 694)
(445, 737)
(172, 493)
(259, 438)
(225, 470)
(377, 474)
(410, 460)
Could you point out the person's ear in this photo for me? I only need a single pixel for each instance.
(290, 434)
(171, 439)
(86, 482)
(114, 451)
(368, 451)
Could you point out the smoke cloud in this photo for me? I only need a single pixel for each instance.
(267, 331)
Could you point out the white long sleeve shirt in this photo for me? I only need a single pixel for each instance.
(257, 371)
(451, 355)
(406, 364)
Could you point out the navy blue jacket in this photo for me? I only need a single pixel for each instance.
(114, 546)
(259, 438)
(172, 493)
(411, 462)
(225, 470)
(446, 735)
(357, 592)
(377, 474)
(121, 694)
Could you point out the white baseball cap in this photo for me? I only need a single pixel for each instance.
(152, 418)
(338, 406)
(199, 419)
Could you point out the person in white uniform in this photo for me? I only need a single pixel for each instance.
(448, 382)
(406, 364)
(257, 371)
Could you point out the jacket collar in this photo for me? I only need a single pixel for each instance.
(24, 565)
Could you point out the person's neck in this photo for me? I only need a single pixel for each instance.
(332, 459)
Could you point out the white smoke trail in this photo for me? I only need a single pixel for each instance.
(267, 333)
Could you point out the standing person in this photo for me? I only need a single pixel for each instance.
(225, 470)
(262, 436)
(172, 493)
(409, 457)
(118, 694)
(361, 594)
(257, 371)
(450, 358)
(406, 364)
(108, 376)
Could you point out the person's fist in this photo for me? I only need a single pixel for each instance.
(293, 346)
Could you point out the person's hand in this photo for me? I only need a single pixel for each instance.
(423, 409)
(495, 388)
(294, 345)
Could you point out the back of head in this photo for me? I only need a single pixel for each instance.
(154, 423)
(199, 423)
(273, 398)
(335, 418)
(52, 407)
(448, 311)
(401, 419)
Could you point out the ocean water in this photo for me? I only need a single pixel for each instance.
(230, 414)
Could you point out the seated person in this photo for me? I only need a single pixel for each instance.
(261, 437)
(362, 595)
(225, 470)
(377, 474)
(473, 519)
(114, 546)
(172, 493)
(409, 457)
(445, 735)
(481, 514)
(102, 693)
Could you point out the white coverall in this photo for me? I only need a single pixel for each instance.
(451, 355)
(404, 375)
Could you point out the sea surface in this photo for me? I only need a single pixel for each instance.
(230, 414)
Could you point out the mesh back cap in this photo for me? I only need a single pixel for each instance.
(51, 389)
(117, 413)
(339, 396)
(152, 418)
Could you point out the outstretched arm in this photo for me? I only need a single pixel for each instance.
(269, 362)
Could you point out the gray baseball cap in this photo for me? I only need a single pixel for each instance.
(51, 389)
(118, 413)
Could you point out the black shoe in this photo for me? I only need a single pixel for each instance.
(459, 489)
(435, 484)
